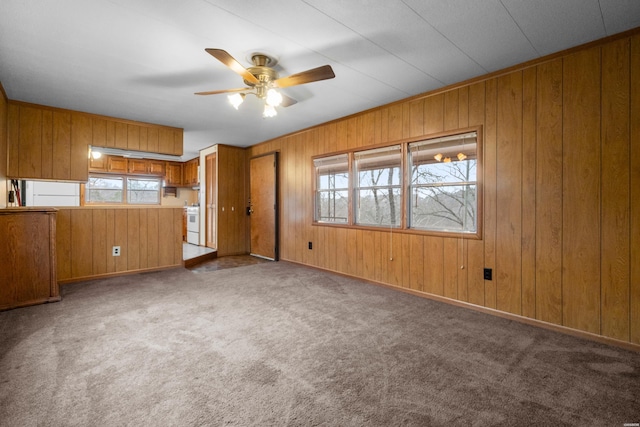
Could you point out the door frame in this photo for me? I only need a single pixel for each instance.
(276, 156)
(202, 199)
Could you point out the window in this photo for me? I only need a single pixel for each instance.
(110, 189)
(443, 184)
(143, 191)
(377, 188)
(102, 189)
(332, 189)
(426, 186)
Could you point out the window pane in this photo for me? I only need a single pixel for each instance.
(332, 189)
(377, 194)
(332, 206)
(378, 207)
(143, 191)
(443, 184)
(444, 208)
(104, 190)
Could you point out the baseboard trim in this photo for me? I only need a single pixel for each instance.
(510, 316)
(117, 274)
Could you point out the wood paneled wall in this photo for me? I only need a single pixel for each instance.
(4, 108)
(149, 239)
(561, 193)
(52, 143)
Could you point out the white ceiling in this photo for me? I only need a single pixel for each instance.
(143, 59)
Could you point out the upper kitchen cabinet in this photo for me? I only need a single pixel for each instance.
(190, 173)
(46, 143)
(122, 165)
(173, 174)
(135, 136)
(53, 143)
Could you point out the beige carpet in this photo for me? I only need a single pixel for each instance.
(284, 345)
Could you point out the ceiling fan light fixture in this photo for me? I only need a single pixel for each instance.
(274, 98)
(236, 99)
(262, 80)
(438, 157)
(269, 111)
(461, 156)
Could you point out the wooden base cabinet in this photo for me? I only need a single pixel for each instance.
(27, 257)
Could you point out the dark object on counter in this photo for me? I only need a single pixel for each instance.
(16, 189)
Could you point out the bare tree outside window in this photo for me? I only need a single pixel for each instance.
(103, 189)
(424, 185)
(100, 189)
(378, 188)
(332, 189)
(443, 184)
(143, 191)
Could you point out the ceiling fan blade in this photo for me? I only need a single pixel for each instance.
(215, 92)
(321, 73)
(287, 101)
(228, 60)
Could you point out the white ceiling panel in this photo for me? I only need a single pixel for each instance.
(620, 15)
(552, 25)
(144, 59)
(483, 30)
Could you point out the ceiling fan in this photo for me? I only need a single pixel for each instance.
(262, 80)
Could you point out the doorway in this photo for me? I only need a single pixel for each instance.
(263, 206)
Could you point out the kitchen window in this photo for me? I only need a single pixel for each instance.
(143, 191)
(117, 190)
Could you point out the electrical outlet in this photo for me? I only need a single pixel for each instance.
(116, 251)
(310, 245)
(488, 274)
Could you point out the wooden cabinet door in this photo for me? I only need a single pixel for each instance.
(137, 166)
(46, 144)
(27, 257)
(173, 174)
(61, 145)
(116, 164)
(81, 135)
(190, 172)
(231, 210)
(98, 165)
(165, 141)
(155, 167)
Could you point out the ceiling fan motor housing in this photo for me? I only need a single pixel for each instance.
(262, 72)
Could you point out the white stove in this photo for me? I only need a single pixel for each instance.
(193, 225)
